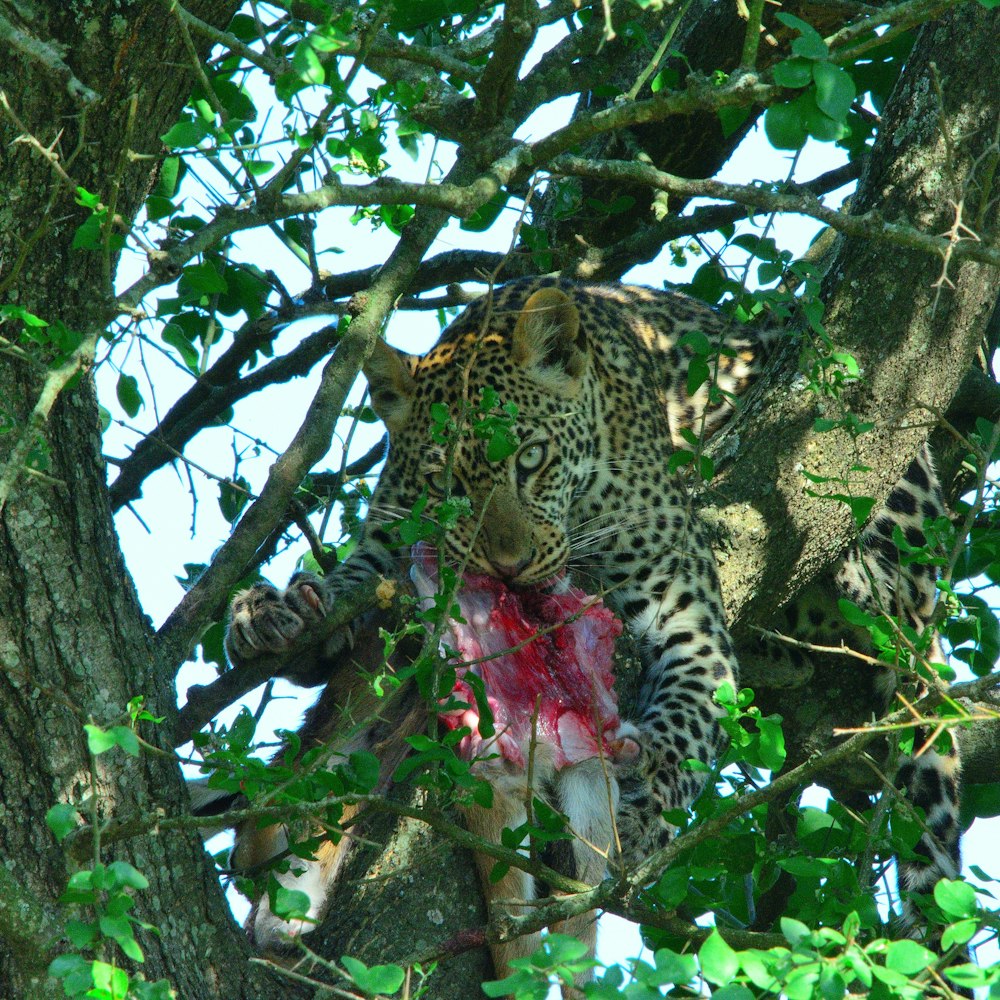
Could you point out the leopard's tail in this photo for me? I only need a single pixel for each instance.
(931, 782)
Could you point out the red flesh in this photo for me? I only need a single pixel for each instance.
(566, 671)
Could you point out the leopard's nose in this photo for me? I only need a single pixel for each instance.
(510, 570)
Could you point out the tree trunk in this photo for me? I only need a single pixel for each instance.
(74, 643)
(914, 341)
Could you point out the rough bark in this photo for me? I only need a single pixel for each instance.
(74, 643)
(914, 342)
(915, 346)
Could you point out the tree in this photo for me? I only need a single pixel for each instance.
(112, 114)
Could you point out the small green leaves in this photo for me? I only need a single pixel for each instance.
(494, 422)
(101, 740)
(95, 232)
(754, 738)
(821, 110)
(127, 390)
(62, 819)
(559, 959)
(104, 890)
(75, 973)
(384, 979)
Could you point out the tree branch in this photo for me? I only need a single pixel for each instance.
(870, 225)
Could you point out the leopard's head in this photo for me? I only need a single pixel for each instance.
(535, 357)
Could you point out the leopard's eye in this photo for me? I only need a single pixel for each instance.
(439, 482)
(531, 458)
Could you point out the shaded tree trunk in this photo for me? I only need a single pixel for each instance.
(915, 338)
(74, 643)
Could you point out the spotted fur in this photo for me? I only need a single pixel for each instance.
(599, 376)
(872, 576)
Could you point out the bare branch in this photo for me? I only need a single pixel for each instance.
(870, 225)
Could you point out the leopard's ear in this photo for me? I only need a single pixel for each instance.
(548, 335)
(390, 382)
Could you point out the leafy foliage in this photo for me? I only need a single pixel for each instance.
(322, 137)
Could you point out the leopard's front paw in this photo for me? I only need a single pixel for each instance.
(266, 620)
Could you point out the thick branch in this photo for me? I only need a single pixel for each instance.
(793, 200)
(914, 342)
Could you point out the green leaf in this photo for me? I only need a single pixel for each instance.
(101, 740)
(959, 933)
(731, 118)
(98, 740)
(784, 126)
(201, 279)
(674, 968)
(74, 971)
(908, 957)
(980, 801)
(110, 978)
(835, 90)
(734, 991)
(698, 374)
(128, 395)
(364, 769)
(819, 124)
(123, 874)
(772, 743)
(385, 979)
(62, 819)
(796, 72)
(80, 933)
(160, 990)
(794, 930)
(306, 64)
(233, 497)
(173, 335)
(810, 44)
(970, 976)
(484, 216)
(186, 133)
(957, 899)
(290, 904)
(27, 318)
(116, 928)
(718, 960)
(170, 172)
(130, 947)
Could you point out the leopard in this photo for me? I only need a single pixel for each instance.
(601, 378)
